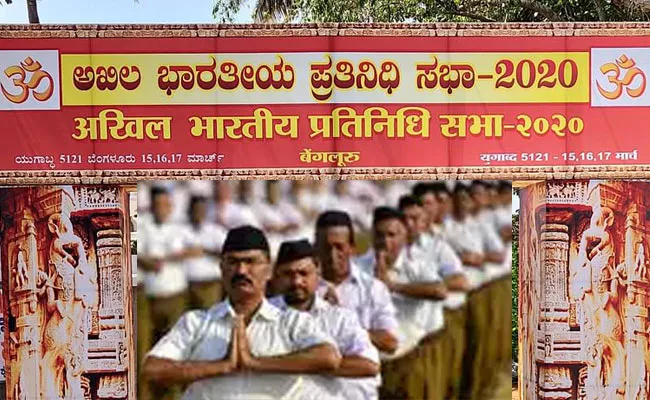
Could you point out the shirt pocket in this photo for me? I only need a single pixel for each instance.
(211, 349)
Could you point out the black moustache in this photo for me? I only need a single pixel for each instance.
(237, 278)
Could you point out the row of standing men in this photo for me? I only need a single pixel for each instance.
(428, 304)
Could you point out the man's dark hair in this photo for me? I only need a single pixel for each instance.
(194, 200)
(439, 188)
(295, 250)
(505, 186)
(157, 191)
(333, 218)
(387, 213)
(461, 188)
(479, 183)
(409, 201)
(423, 188)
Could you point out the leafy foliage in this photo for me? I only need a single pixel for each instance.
(439, 10)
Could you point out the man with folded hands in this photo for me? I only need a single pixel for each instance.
(244, 347)
(296, 278)
(414, 371)
(431, 246)
(483, 255)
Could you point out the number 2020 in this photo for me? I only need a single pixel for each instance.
(545, 74)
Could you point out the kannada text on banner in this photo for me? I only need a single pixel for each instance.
(576, 102)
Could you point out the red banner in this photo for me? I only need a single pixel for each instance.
(317, 102)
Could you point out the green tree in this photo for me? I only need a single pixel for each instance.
(438, 10)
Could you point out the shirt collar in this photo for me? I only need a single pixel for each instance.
(319, 304)
(355, 274)
(266, 311)
(402, 257)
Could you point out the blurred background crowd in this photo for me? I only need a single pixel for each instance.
(186, 223)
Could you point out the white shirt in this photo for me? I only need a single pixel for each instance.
(448, 263)
(201, 188)
(365, 190)
(368, 297)
(144, 197)
(160, 241)
(180, 198)
(492, 242)
(314, 201)
(209, 237)
(281, 215)
(465, 237)
(357, 212)
(416, 317)
(352, 340)
(205, 335)
(503, 216)
(232, 215)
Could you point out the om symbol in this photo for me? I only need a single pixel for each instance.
(631, 72)
(20, 73)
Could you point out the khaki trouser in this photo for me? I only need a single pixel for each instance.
(505, 353)
(204, 295)
(144, 335)
(165, 312)
(453, 350)
(436, 370)
(490, 367)
(478, 338)
(404, 378)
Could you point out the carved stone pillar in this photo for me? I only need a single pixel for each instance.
(631, 237)
(554, 382)
(109, 257)
(23, 244)
(554, 307)
(555, 247)
(112, 324)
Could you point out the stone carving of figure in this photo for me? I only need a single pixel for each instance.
(547, 346)
(641, 262)
(21, 269)
(70, 291)
(94, 196)
(601, 297)
(109, 195)
(554, 191)
(121, 354)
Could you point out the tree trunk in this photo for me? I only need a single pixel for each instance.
(32, 12)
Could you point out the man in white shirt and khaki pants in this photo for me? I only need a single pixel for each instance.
(414, 371)
(296, 277)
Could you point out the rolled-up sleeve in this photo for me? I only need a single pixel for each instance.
(426, 273)
(384, 314)
(448, 261)
(491, 240)
(353, 340)
(177, 344)
(177, 243)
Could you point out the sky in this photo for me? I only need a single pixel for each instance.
(515, 203)
(119, 11)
